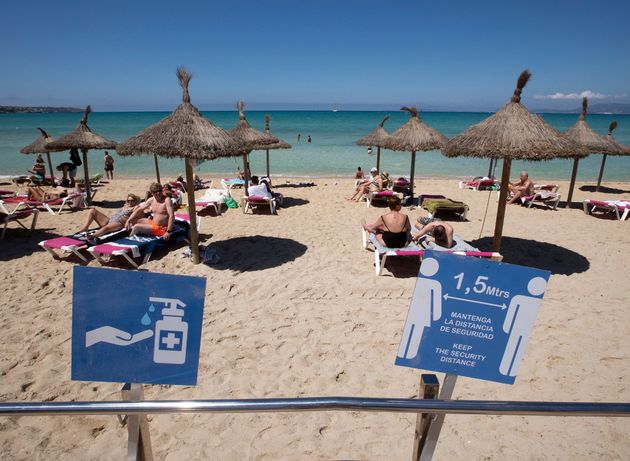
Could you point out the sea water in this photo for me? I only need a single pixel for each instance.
(331, 152)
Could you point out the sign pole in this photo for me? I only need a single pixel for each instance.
(436, 425)
(139, 438)
(429, 389)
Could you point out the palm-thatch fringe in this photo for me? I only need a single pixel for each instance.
(378, 137)
(278, 145)
(40, 145)
(512, 133)
(184, 133)
(251, 137)
(81, 138)
(615, 147)
(582, 134)
(415, 135)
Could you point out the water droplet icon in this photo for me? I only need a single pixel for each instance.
(151, 308)
(146, 320)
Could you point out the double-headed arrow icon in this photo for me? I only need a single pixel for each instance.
(502, 306)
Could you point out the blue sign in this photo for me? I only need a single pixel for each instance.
(136, 327)
(471, 317)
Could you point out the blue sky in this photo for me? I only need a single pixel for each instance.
(466, 55)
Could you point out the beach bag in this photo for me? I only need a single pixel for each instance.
(74, 157)
(230, 202)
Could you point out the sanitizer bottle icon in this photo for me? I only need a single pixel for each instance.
(171, 333)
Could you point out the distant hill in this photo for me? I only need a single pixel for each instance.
(614, 108)
(34, 110)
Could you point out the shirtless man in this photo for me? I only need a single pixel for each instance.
(161, 223)
(521, 188)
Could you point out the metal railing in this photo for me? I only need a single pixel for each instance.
(470, 407)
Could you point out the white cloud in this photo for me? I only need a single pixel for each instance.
(588, 93)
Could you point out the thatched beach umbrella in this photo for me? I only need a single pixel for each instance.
(184, 133)
(379, 138)
(583, 135)
(512, 133)
(278, 145)
(415, 136)
(614, 148)
(82, 138)
(40, 146)
(250, 137)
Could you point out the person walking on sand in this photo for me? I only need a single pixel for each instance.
(308, 139)
(109, 166)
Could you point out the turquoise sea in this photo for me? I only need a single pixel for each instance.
(333, 151)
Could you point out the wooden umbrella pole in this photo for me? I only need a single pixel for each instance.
(246, 173)
(267, 163)
(490, 168)
(572, 185)
(52, 176)
(498, 228)
(378, 158)
(194, 237)
(157, 168)
(411, 173)
(88, 192)
(601, 173)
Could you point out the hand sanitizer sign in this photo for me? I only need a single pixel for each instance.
(136, 327)
(471, 317)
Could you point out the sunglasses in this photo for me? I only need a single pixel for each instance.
(130, 200)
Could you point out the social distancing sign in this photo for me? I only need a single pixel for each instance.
(471, 317)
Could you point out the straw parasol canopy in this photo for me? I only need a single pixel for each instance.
(250, 137)
(40, 146)
(614, 148)
(82, 138)
(583, 135)
(278, 145)
(512, 133)
(379, 138)
(184, 133)
(415, 136)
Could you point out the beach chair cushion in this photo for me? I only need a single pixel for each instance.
(621, 208)
(141, 245)
(73, 244)
(252, 201)
(434, 205)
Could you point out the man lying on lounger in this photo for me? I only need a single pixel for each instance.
(521, 188)
(163, 215)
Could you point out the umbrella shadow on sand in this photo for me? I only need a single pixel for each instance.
(255, 253)
(288, 202)
(542, 255)
(604, 189)
(20, 242)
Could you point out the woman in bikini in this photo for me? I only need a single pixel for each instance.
(113, 224)
(393, 229)
(36, 193)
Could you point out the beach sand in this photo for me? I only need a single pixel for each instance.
(294, 309)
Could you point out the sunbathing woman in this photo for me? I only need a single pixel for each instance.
(41, 195)
(113, 224)
(393, 229)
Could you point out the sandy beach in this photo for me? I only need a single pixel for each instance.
(294, 309)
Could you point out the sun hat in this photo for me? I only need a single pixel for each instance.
(374, 170)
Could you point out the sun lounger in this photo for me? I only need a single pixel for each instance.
(213, 198)
(401, 185)
(382, 253)
(6, 193)
(229, 183)
(253, 201)
(74, 244)
(17, 217)
(480, 183)
(94, 179)
(21, 201)
(545, 194)
(138, 246)
(435, 204)
(380, 196)
(621, 208)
